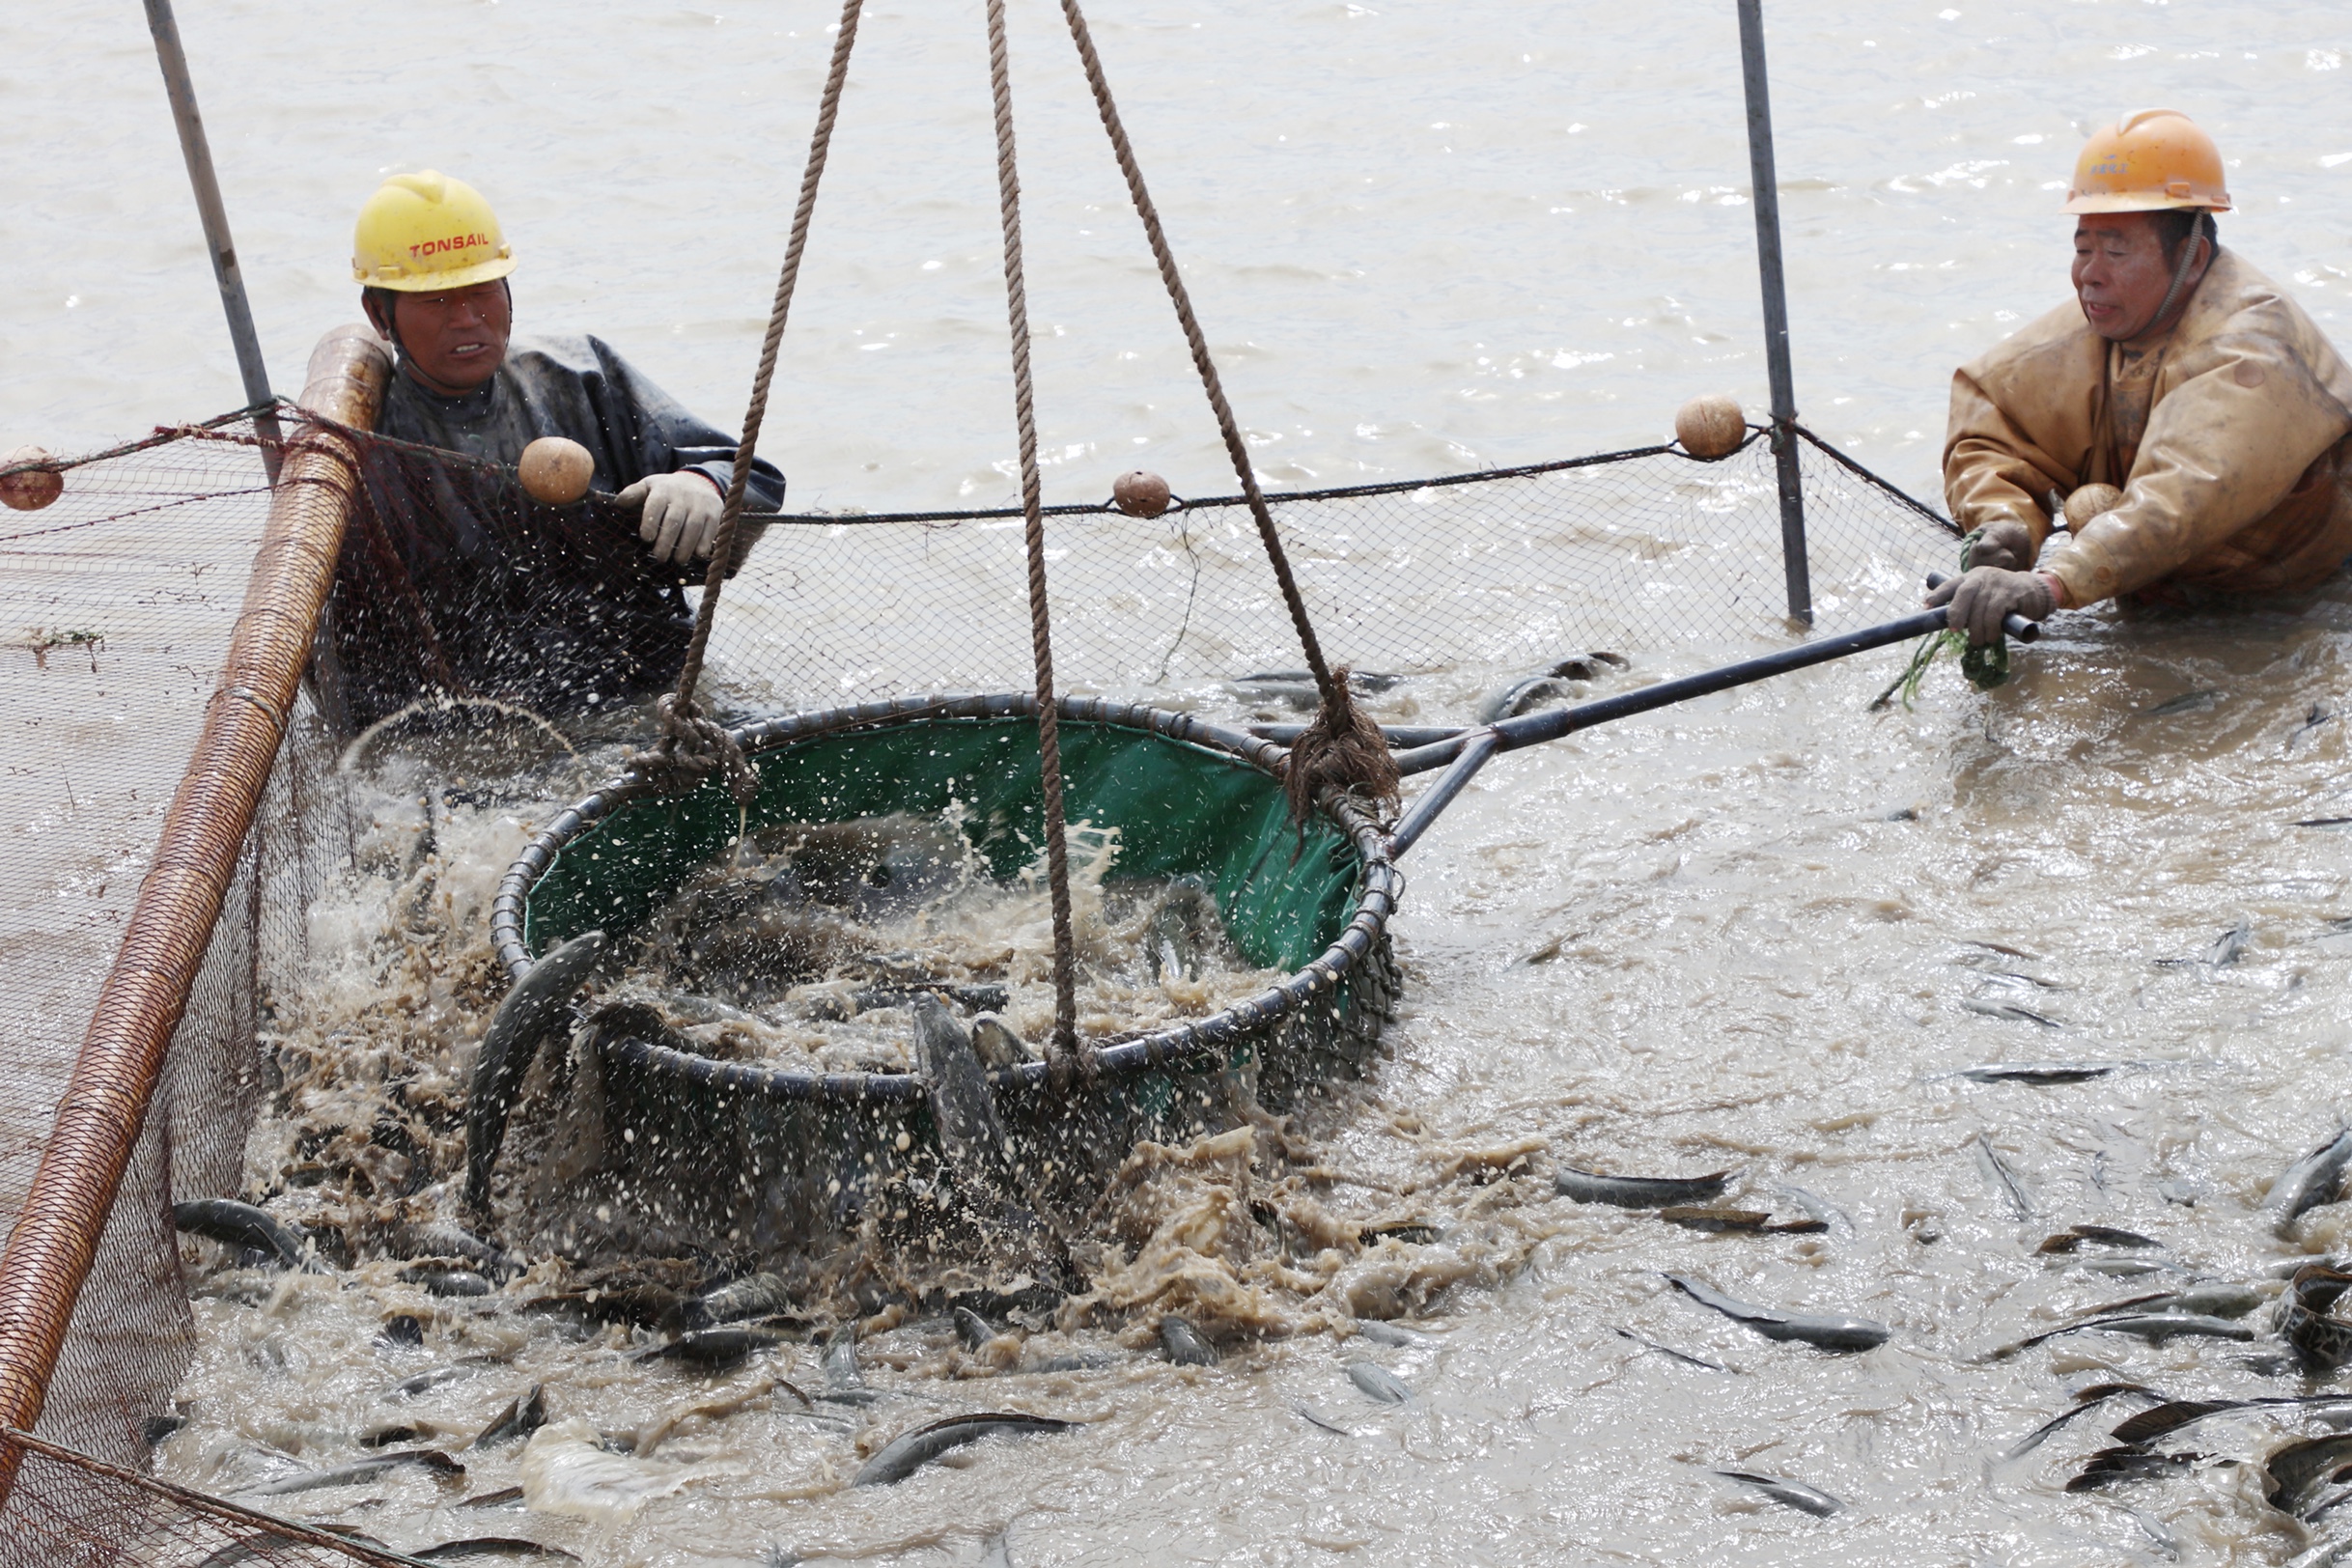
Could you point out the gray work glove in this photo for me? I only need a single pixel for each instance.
(681, 517)
(1983, 597)
(2005, 544)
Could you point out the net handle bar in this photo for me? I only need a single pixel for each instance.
(1462, 755)
(140, 1003)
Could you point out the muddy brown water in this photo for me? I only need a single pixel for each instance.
(1753, 934)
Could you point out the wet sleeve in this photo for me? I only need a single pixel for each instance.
(1993, 470)
(662, 438)
(2222, 449)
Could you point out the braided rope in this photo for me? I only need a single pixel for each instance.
(1063, 1050)
(1199, 344)
(692, 745)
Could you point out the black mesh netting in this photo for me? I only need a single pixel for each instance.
(117, 603)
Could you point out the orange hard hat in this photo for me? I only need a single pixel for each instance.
(2151, 160)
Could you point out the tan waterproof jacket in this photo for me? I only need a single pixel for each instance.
(2230, 434)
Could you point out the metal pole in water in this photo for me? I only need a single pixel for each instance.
(215, 217)
(1775, 310)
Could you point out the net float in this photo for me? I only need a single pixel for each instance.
(2089, 501)
(555, 472)
(1710, 426)
(33, 489)
(1139, 493)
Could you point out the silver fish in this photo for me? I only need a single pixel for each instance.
(754, 1296)
(2005, 1181)
(1796, 1495)
(1377, 1382)
(2310, 1182)
(1183, 1345)
(971, 1328)
(997, 1044)
(242, 1225)
(1638, 1191)
(365, 1470)
(1672, 1354)
(714, 1349)
(2089, 1399)
(2158, 1326)
(961, 1107)
(441, 1279)
(2300, 1469)
(2008, 1010)
(427, 1381)
(493, 1549)
(1308, 1414)
(531, 1011)
(1178, 929)
(2188, 702)
(1820, 1208)
(520, 1420)
(911, 1451)
(1824, 1333)
(2036, 1072)
(1391, 1334)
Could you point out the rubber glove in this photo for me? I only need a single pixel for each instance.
(680, 515)
(2006, 544)
(1983, 597)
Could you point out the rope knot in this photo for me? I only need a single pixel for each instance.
(1344, 749)
(691, 747)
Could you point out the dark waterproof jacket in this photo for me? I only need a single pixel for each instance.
(453, 581)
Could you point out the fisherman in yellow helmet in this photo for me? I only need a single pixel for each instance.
(2180, 375)
(564, 614)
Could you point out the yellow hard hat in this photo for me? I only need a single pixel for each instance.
(427, 231)
(2151, 160)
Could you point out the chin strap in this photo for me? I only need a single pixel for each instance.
(2180, 272)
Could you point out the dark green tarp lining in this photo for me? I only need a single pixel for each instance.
(1178, 808)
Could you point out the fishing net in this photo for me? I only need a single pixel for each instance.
(118, 602)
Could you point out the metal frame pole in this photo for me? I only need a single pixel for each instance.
(193, 146)
(1765, 183)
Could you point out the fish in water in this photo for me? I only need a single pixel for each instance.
(2158, 1326)
(427, 1381)
(963, 1109)
(1391, 1334)
(2218, 1298)
(444, 1279)
(1836, 1220)
(972, 1330)
(1672, 1354)
(2089, 1399)
(997, 1043)
(531, 1011)
(2071, 1239)
(2307, 1321)
(241, 1225)
(1822, 1331)
(1638, 1191)
(521, 1418)
(1308, 1414)
(440, 1463)
(844, 1383)
(1376, 1381)
(1178, 930)
(2128, 1462)
(2036, 1072)
(2008, 1010)
(493, 1549)
(2310, 1182)
(1796, 1495)
(2004, 1179)
(1183, 1344)
(911, 1451)
(1751, 1221)
(2300, 1470)
(2188, 702)
(753, 1295)
(438, 1239)
(714, 1349)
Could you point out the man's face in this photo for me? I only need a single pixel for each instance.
(454, 341)
(2119, 273)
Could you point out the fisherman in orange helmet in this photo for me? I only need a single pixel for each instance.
(2180, 375)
